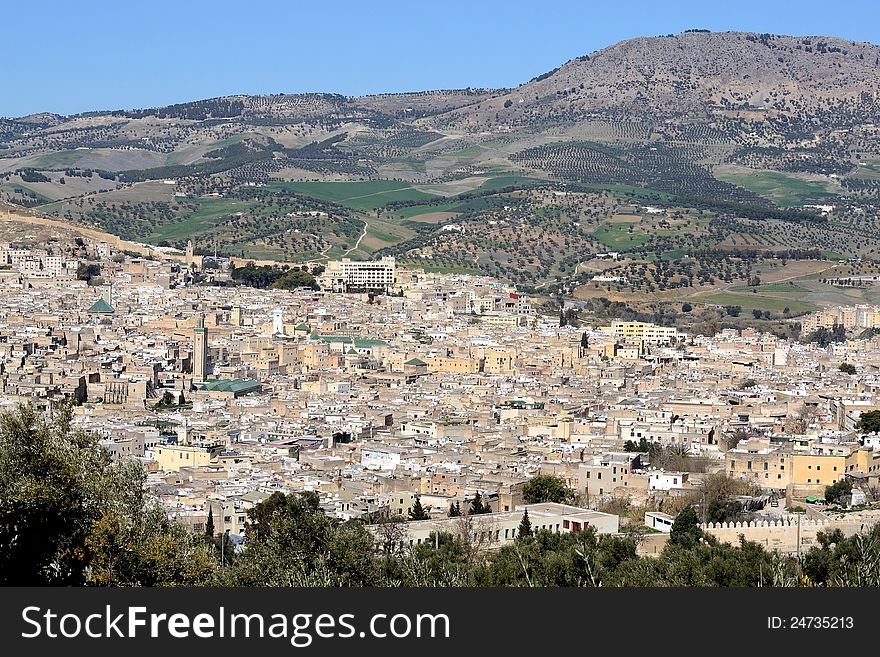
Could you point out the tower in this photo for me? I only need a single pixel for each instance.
(277, 323)
(235, 319)
(200, 350)
(189, 254)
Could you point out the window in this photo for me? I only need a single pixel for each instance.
(748, 465)
(766, 465)
(598, 475)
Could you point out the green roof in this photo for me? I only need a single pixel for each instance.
(358, 343)
(302, 327)
(102, 307)
(415, 361)
(227, 385)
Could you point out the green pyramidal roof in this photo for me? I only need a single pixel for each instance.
(102, 307)
(415, 361)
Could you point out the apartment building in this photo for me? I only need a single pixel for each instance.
(358, 275)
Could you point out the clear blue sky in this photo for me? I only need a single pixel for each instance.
(76, 55)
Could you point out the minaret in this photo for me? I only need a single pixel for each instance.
(277, 323)
(189, 254)
(235, 320)
(200, 350)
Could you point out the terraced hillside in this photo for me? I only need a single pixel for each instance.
(702, 158)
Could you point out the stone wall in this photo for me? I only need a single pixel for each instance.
(783, 535)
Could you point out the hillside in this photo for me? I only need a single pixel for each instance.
(719, 74)
(764, 147)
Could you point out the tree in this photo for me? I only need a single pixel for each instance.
(86, 272)
(70, 515)
(547, 488)
(477, 505)
(454, 510)
(837, 492)
(686, 530)
(209, 524)
(417, 512)
(525, 526)
(868, 422)
(686, 307)
(562, 320)
(585, 341)
(847, 368)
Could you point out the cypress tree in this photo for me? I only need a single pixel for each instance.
(417, 512)
(209, 525)
(525, 526)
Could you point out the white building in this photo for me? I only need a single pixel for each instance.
(666, 480)
(358, 275)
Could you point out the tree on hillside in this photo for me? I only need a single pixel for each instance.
(847, 368)
(454, 510)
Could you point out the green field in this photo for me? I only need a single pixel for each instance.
(364, 195)
(782, 189)
(618, 238)
(200, 221)
(759, 301)
(869, 170)
(416, 210)
(11, 187)
(59, 159)
(512, 180)
(769, 287)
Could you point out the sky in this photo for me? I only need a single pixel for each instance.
(68, 57)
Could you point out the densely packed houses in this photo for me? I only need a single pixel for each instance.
(446, 387)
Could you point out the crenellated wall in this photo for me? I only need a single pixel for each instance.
(783, 534)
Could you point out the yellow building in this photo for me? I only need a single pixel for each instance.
(817, 469)
(172, 457)
(449, 365)
(647, 332)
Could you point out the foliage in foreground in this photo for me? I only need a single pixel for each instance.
(71, 516)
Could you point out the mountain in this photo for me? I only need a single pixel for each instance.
(695, 72)
(739, 125)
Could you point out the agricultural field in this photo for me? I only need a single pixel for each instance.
(363, 196)
(769, 302)
(785, 190)
(618, 237)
